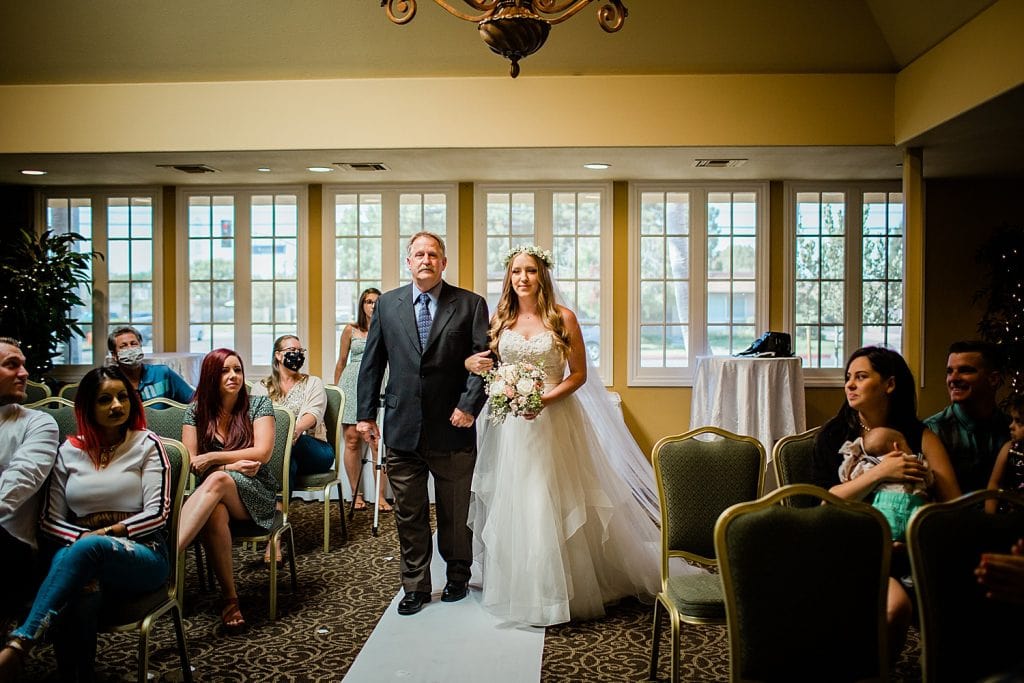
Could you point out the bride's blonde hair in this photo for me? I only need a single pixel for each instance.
(507, 311)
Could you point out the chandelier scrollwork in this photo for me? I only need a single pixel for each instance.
(515, 29)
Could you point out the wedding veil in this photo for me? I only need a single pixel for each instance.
(618, 447)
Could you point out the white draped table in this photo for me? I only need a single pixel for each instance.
(187, 365)
(758, 397)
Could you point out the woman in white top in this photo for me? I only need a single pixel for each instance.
(304, 397)
(107, 504)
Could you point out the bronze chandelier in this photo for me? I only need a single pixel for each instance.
(515, 29)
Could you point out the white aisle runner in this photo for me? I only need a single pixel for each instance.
(448, 642)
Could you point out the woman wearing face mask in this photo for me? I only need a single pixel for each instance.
(304, 396)
(150, 380)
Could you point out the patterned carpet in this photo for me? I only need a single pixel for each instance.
(320, 629)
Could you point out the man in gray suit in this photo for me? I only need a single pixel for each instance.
(424, 332)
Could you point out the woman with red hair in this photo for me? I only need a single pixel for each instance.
(107, 505)
(229, 436)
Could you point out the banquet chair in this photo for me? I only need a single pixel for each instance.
(62, 411)
(164, 416)
(805, 587)
(964, 634)
(249, 532)
(35, 391)
(699, 474)
(791, 458)
(142, 612)
(69, 391)
(323, 481)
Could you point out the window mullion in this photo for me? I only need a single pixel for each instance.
(854, 293)
(242, 310)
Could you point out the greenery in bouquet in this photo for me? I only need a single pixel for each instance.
(514, 389)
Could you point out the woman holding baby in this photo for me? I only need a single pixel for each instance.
(880, 395)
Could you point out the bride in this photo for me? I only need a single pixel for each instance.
(557, 526)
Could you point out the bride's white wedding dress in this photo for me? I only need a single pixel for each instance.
(557, 531)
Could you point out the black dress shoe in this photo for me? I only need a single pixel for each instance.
(454, 591)
(413, 602)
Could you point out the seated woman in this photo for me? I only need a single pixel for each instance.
(304, 397)
(880, 393)
(229, 436)
(108, 501)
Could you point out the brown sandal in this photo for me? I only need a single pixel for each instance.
(231, 615)
(10, 666)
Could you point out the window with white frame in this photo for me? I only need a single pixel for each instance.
(120, 225)
(698, 276)
(574, 221)
(364, 224)
(845, 272)
(243, 253)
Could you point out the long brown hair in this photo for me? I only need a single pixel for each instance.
(363, 320)
(507, 311)
(208, 404)
(273, 383)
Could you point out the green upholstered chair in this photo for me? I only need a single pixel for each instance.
(141, 613)
(791, 458)
(964, 635)
(63, 411)
(699, 474)
(164, 416)
(35, 391)
(805, 588)
(69, 391)
(249, 531)
(323, 481)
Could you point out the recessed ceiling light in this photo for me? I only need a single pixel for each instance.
(32, 171)
(320, 169)
(597, 167)
(263, 169)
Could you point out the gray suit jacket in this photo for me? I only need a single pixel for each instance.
(424, 389)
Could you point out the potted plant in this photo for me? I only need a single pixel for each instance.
(41, 275)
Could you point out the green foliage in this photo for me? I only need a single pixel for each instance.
(41, 275)
(1003, 321)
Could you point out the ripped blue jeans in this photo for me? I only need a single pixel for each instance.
(120, 567)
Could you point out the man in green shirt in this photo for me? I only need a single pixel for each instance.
(972, 427)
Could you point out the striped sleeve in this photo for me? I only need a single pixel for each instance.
(156, 489)
(55, 508)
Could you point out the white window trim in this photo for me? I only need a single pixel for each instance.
(544, 233)
(854, 191)
(638, 376)
(255, 368)
(98, 197)
(392, 274)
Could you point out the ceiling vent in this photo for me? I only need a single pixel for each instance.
(718, 163)
(189, 168)
(370, 166)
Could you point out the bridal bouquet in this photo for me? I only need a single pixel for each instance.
(514, 389)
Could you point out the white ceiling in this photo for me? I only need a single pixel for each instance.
(111, 41)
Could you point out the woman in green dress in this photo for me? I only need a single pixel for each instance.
(230, 438)
(346, 375)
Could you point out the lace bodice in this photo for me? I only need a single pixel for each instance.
(540, 349)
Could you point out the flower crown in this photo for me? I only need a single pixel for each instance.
(533, 250)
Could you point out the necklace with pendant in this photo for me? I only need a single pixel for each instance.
(863, 426)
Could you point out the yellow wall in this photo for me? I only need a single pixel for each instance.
(599, 111)
(983, 59)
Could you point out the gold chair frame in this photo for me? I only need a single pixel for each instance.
(336, 439)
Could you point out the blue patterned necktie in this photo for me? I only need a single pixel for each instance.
(423, 320)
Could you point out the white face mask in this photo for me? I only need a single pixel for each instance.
(130, 356)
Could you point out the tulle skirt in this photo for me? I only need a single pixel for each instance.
(557, 532)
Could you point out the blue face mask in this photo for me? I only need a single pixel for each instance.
(293, 360)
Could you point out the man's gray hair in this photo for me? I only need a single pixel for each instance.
(425, 233)
(118, 331)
